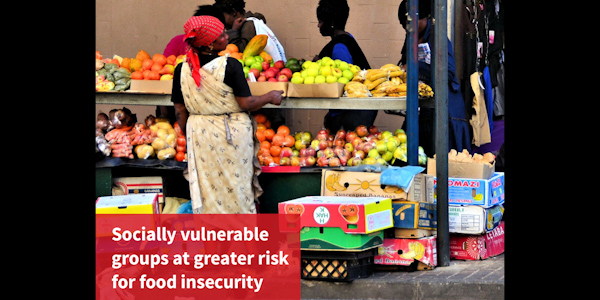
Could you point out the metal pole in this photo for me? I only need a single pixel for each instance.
(412, 84)
(440, 75)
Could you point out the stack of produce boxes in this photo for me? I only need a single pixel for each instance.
(412, 237)
(339, 235)
(475, 207)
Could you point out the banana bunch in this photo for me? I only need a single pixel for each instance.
(425, 90)
(385, 81)
(356, 89)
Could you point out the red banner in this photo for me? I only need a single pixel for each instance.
(200, 256)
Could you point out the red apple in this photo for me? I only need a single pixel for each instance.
(334, 162)
(285, 152)
(282, 78)
(356, 141)
(338, 142)
(343, 161)
(310, 161)
(255, 72)
(360, 154)
(350, 135)
(287, 72)
(328, 152)
(279, 64)
(302, 152)
(272, 79)
(322, 161)
(261, 78)
(265, 65)
(362, 130)
(323, 144)
(373, 129)
(340, 134)
(310, 151)
(270, 73)
(322, 135)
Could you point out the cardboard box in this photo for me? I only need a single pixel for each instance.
(463, 169)
(366, 184)
(413, 233)
(334, 238)
(355, 215)
(317, 90)
(471, 219)
(125, 204)
(404, 252)
(409, 214)
(470, 191)
(475, 247)
(152, 86)
(140, 185)
(261, 88)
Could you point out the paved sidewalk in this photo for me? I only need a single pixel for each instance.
(482, 279)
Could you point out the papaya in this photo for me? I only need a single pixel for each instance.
(255, 46)
(266, 56)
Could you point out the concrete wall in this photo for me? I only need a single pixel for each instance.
(123, 27)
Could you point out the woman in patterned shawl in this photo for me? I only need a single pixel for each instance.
(212, 102)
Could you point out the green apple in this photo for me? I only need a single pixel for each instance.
(304, 73)
(319, 79)
(354, 68)
(336, 72)
(343, 65)
(373, 153)
(246, 69)
(296, 74)
(337, 62)
(387, 156)
(381, 147)
(386, 134)
(241, 61)
(348, 74)
(326, 71)
(256, 65)
(331, 79)
(306, 64)
(259, 58)
(343, 80)
(297, 79)
(309, 80)
(327, 61)
(312, 72)
(249, 61)
(369, 161)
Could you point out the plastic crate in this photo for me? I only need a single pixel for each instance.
(337, 265)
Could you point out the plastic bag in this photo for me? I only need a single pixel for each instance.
(274, 47)
(400, 177)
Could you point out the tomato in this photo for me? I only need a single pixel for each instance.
(180, 156)
(181, 141)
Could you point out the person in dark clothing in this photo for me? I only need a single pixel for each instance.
(458, 125)
(332, 16)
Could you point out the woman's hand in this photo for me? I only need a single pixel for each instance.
(275, 97)
(237, 23)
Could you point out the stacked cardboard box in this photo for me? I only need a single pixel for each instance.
(475, 207)
(339, 235)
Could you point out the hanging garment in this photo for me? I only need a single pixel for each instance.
(479, 120)
(222, 164)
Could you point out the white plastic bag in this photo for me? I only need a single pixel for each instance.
(274, 48)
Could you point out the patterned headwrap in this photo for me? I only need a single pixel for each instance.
(202, 29)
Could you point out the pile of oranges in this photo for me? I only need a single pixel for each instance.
(233, 51)
(275, 146)
(157, 67)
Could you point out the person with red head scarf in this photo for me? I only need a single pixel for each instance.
(212, 103)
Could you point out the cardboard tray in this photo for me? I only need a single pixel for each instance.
(261, 88)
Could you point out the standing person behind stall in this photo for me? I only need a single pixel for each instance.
(332, 16)
(458, 133)
(239, 30)
(177, 46)
(212, 102)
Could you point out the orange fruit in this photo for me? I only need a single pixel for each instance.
(284, 130)
(276, 159)
(159, 58)
(265, 144)
(260, 118)
(269, 133)
(141, 55)
(260, 135)
(171, 59)
(125, 62)
(236, 55)
(151, 75)
(98, 55)
(137, 75)
(262, 152)
(260, 127)
(289, 141)
(145, 72)
(278, 139)
(147, 64)
(275, 150)
(232, 48)
(116, 62)
(268, 123)
(135, 64)
(156, 67)
(221, 53)
(268, 160)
